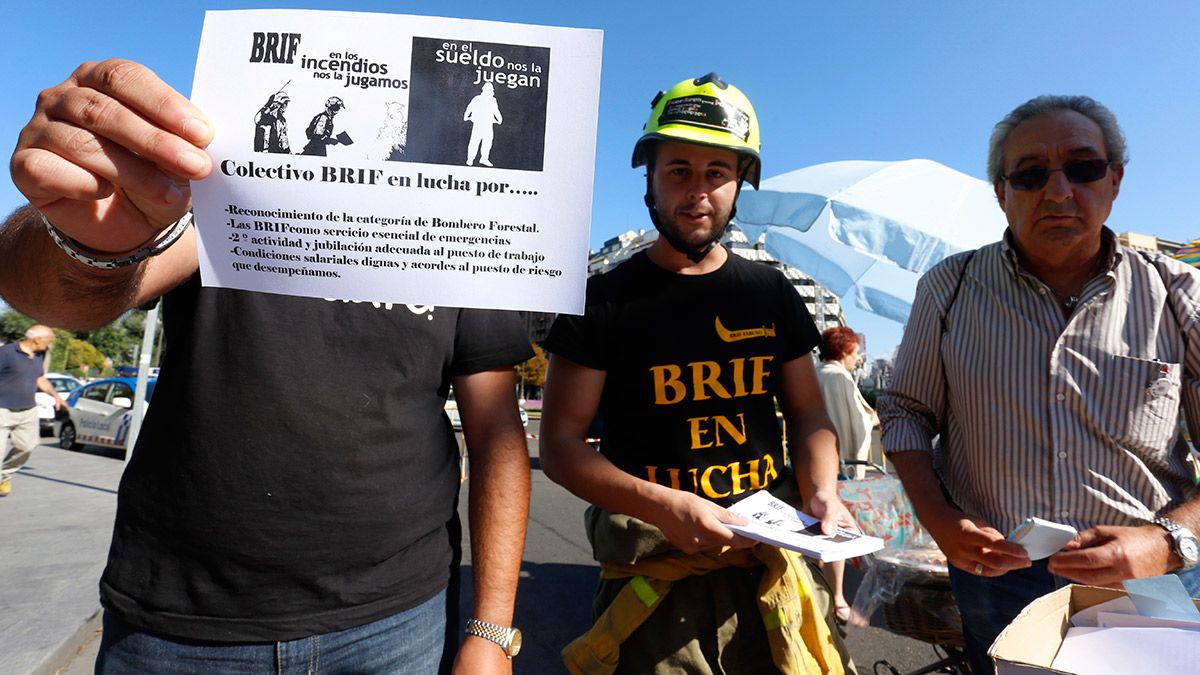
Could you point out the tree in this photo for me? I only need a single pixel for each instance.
(83, 353)
(532, 373)
(60, 350)
(114, 340)
(134, 325)
(13, 325)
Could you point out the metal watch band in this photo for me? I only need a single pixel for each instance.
(1179, 535)
(1167, 524)
(491, 632)
(106, 261)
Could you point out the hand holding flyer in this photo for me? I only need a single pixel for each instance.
(1042, 538)
(775, 522)
(397, 159)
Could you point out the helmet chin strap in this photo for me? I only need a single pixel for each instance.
(692, 253)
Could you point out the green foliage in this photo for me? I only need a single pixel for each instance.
(113, 340)
(13, 325)
(533, 372)
(83, 353)
(134, 322)
(131, 327)
(59, 350)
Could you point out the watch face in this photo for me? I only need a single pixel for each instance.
(514, 647)
(1189, 550)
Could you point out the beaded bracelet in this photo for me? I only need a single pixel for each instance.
(108, 261)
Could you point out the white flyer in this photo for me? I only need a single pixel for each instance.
(397, 159)
(776, 522)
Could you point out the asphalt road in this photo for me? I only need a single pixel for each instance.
(557, 579)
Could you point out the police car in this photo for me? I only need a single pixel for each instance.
(48, 418)
(101, 413)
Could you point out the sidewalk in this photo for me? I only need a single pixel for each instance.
(56, 526)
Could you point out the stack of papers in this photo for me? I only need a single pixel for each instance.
(775, 522)
(1155, 629)
(1042, 538)
(1122, 651)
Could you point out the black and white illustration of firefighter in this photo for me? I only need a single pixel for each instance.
(320, 129)
(270, 126)
(482, 112)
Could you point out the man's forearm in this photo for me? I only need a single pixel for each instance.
(812, 440)
(572, 396)
(814, 453)
(592, 477)
(44, 386)
(39, 280)
(498, 504)
(920, 479)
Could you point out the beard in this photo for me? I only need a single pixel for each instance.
(691, 236)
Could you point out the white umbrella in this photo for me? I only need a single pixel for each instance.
(868, 230)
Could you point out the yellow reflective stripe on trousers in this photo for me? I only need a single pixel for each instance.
(642, 588)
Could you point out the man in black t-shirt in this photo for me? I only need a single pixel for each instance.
(266, 519)
(684, 351)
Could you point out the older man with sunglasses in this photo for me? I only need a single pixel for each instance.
(1054, 365)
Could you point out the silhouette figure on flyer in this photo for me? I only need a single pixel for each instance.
(482, 112)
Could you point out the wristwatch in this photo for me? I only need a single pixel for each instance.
(509, 639)
(1186, 546)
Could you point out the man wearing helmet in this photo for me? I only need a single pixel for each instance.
(683, 351)
(320, 129)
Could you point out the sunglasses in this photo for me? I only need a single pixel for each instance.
(1076, 171)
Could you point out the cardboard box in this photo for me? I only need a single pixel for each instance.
(1030, 643)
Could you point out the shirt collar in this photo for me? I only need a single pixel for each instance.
(1109, 248)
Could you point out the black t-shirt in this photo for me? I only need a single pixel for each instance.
(296, 472)
(692, 369)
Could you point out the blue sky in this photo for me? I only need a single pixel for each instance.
(830, 80)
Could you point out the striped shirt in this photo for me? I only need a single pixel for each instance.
(1074, 418)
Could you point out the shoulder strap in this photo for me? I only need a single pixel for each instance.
(1148, 257)
(962, 273)
(957, 287)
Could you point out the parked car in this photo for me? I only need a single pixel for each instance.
(451, 409)
(101, 413)
(48, 417)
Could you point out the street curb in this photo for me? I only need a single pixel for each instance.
(69, 648)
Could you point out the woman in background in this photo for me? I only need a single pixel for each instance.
(853, 419)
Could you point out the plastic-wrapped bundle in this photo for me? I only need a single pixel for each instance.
(908, 579)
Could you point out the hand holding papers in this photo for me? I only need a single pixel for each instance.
(775, 522)
(1042, 538)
